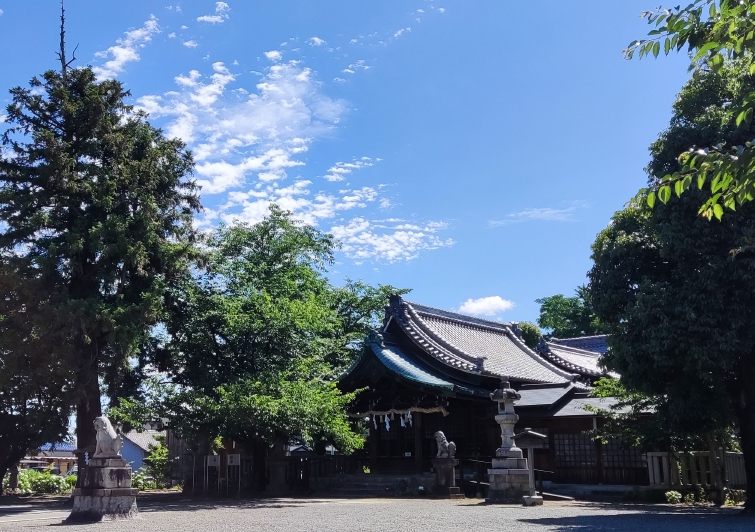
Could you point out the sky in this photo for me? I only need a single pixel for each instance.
(468, 150)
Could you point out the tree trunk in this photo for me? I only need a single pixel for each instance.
(746, 418)
(259, 459)
(13, 480)
(88, 408)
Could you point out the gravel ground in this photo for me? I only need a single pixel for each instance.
(324, 515)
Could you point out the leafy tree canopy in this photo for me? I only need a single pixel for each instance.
(567, 317)
(95, 208)
(679, 308)
(531, 334)
(257, 336)
(713, 31)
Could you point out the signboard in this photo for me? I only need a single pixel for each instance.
(212, 460)
(234, 459)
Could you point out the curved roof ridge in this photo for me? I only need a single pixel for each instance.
(466, 318)
(419, 336)
(442, 341)
(534, 355)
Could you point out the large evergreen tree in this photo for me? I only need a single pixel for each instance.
(679, 306)
(95, 207)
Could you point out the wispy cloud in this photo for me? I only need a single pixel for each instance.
(220, 16)
(1, 12)
(316, 41)
(486, 306)
(190, 44)
(126, 49)
(338, 171)
(274, 55)
(402, 30)
(548, 214)
(390, 240)
(353, 67)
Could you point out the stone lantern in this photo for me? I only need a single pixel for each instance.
(510, 476)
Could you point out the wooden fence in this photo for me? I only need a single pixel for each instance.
(690, 470)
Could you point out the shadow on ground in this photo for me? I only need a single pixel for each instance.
(648, 518)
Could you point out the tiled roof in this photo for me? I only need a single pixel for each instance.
(586, 363)
(472, 344)
(144, 439)
(542, 396)
(576, 407)
(399, 363)
(60, 446)
(598, 344)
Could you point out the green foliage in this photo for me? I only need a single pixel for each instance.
(142, 481)
(673, 497)
(96, 208)
(531, 334)
(157, 463)
(258, 335)
(689, 498)
(71, 481)
(40, 482)
(714, 32)
(567, 317)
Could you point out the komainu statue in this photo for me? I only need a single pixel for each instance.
(108, 442)
(446, 449)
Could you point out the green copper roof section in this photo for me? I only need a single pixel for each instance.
(397, 362)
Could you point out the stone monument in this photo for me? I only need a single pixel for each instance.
(105, 493)
(509, 477)
(444, 464)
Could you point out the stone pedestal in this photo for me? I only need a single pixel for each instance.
(445, 478)
(106, 492)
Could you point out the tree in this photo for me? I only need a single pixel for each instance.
(531, 334)
(96, 207)
(567, 317)
(678, 307)
(257, 336)
(35, 384)
(713, 31)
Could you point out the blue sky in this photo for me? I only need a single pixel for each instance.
(469, 150)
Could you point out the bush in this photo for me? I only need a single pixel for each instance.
(673, 497)
(44, 482)
(141, 481)
(157, 464)
(71, 481)
(689, 498)
(701, 495)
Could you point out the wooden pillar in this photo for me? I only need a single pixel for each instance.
(418, 439)
(374, 435)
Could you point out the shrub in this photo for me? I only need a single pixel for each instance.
(689, 498)
(30, 481)
(701, 495)
(157, 464)
(141, 481)
(673, 497)
(71, 481)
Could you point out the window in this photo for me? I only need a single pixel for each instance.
(574, 450)
(616, 454)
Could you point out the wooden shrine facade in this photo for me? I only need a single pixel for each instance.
(427, 370)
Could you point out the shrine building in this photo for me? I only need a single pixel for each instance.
(427, 369)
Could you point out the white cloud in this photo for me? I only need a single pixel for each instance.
(184, 27)
(220, 16)
(172, 35)
(3, 118)
(339, 80)
(402, 30)
(363, 240)
(486, 306)
(338, 171)
(442, 9)
(126, 49)
(548, 214)
(316, 41)
(247, 140)
(353, 67)
(1, 12)
(274, 55)
(420, 11)
(191, 44)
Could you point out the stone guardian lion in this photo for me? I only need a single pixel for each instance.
(446, 449)
(108, 442)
